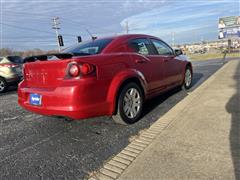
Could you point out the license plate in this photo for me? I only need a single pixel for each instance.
(35, 99)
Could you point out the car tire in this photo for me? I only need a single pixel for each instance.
(187, 82)
(129, 104)
(3, 85)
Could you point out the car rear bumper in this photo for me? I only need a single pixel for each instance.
(13, 80)
(75, 101)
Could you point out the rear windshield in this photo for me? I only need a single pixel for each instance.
(15, 59)
(89, 48)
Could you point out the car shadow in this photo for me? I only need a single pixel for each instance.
(196, 78)
(149, 105)
(152, 103)
(233, 107)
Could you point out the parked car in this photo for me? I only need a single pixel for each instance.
(10, 71)
(110, 76)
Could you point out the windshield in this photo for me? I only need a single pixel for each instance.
(89, 48)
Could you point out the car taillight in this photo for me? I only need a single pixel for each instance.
(8, 65)
(81, 69)
(86, 68)
(74, 70)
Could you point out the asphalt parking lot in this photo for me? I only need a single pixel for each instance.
(38, 147)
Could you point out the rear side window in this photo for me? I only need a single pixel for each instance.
(15, 59)
(161, 47)
(89, 48)
(141, 46)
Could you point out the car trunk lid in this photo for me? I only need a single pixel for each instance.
(45, 74)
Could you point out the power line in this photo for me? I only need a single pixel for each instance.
(10, 21)
(24, 13)
(73, 22)
(27, 38)
(40, 15)
(24, 28)
(30, 45)
(7, 41)
(85, 26)
(55, 25)
(31, 29)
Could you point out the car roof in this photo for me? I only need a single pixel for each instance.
(123, 38)
(127, 36)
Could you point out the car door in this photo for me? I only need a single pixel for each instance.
(172, 67)
(148, 63)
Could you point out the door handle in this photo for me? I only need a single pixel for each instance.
(140, 61)
(165, 60)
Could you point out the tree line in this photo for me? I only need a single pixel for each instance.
(26, 53)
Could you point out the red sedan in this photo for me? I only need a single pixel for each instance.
(109, 76)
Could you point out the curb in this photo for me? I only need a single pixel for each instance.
(114, 167)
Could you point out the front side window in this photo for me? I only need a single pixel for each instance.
(161, 47)
(89, 48)
(141, 46)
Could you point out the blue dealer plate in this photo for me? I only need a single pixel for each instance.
(35, 99)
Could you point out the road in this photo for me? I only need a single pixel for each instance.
(38, 147)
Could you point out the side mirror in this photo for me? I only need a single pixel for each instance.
(178, 52)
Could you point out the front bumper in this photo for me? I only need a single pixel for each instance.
(74, 101)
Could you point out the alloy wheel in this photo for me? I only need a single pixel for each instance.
(2, 85)
(131, 103)
(188, 78)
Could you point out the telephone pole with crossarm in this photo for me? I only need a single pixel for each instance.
(56, 24)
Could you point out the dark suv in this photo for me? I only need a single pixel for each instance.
(10, 71)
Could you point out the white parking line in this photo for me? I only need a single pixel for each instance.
(11, 118)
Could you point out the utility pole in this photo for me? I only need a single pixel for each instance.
(127, 27)
(173, 39)
(93, 37)
(56, 27)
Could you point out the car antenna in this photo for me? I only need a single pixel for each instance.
(93, 37)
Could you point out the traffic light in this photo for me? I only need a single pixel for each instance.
(79, 39)
(94, 38)
(60, 40)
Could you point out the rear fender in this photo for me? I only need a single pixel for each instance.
(118, 80)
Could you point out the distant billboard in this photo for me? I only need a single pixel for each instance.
(229, 27)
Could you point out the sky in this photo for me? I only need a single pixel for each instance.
(27, 24)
